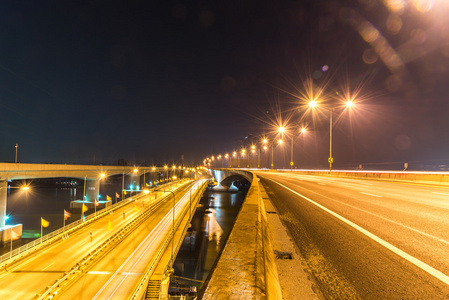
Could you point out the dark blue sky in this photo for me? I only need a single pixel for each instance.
(149, 80)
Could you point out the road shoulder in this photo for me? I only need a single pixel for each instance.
(294, 276)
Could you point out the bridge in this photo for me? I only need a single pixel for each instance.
(155, 220)
(359, 234)
(378, 235)
(91, 174)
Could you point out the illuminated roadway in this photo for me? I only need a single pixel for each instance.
(116, 275)
(367, 239)
(28, 277)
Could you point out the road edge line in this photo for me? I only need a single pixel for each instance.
(420, 264)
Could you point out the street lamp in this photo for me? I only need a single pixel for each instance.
(302, 131)
(348, 104)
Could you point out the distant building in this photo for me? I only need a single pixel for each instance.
(124, 162)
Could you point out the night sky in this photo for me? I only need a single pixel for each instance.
(95, 81)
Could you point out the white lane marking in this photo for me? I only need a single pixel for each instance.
(371, 195)
(321, 183)
(47, 266)
(440, 193)
(422, 265)
(365, 183)
(99, 273)
(382, 218)
(109, 273)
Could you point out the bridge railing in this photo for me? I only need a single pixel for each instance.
(59, 233)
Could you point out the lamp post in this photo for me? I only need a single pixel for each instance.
(281, 130)
(84, 197)
(265, 141)
(238, 161)
(313, 104)
(253, 151)
(17, 146)
(302, 130)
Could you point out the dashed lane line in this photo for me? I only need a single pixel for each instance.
(371, 195)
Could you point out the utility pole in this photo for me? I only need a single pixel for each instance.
(17, 146)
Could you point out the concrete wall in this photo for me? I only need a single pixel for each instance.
(246, 268)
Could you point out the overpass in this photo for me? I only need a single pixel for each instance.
(149, 221)
(91, 174)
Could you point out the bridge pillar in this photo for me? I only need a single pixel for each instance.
(92, 190)
(135, 181)
(8, 233)
(3, 197)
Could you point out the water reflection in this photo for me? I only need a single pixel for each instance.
(207, 236)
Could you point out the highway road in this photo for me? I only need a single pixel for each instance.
(367, 239)
(116, 275)
(28, 277)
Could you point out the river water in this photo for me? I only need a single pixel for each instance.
(205, 240)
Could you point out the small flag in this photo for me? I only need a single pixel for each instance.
(124, 192)
(108, 198)
(44, 222)
(109, 225)
(14, 235)
(67, 215)
(117, 195)
(147, 184)
(96, 202)
(85, 208)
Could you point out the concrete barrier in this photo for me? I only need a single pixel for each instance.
(246, 268)
(436, 178)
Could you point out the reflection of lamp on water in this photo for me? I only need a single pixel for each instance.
(213, 228)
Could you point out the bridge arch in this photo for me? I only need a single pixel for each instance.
(226, 178)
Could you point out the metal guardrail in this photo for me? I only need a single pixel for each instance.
(55, 235)
(101, 250)
(143, 283)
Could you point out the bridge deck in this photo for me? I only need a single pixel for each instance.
(33, 274)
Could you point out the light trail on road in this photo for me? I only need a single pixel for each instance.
(26, 278)
(133, 261)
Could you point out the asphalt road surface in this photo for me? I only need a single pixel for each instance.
(26, 278)
(367, 239)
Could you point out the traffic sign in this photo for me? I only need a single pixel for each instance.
(331, 160)
(291, 163)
